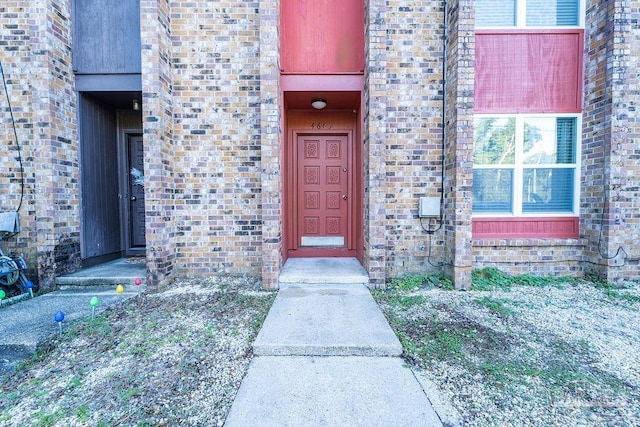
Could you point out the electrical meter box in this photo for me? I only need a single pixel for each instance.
(429, 207)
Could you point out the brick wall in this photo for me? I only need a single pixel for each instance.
(459, 136)
(216, 164)
(610, 172)
(413, 143)
(376, 100)
(270, 140)
(160, 146)
(37, 58)
(557, 257)
(15, 53)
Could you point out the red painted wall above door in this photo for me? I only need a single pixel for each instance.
(322, 36)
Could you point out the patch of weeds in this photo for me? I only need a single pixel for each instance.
(43, 419)
(415, 282)
(127, 394)
(616, 293)
(407, 283)
(406, 301)
(437, 341)
(83, 413)
(40, 393)
(41, 354)
(97, 327)
(491, 279)
(74, 382)
(497, 305)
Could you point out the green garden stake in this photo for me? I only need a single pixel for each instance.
(93, 303)
(2, 295)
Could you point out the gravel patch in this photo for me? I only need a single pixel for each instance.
(175, 357)
(554, 355)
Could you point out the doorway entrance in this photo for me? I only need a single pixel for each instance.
(111, 173)
(134, 205)
(323, 185)
(322, 194)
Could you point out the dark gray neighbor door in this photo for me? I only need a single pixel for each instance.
(136, 210)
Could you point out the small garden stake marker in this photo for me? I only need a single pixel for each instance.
(119, 289)
(59, 317)
(93, 303)
(2, 295)
(29, 285)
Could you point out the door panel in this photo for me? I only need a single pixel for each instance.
(136, 192)
(322, 193)
(99, 179)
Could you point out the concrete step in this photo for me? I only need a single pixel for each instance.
(330, 391)
(325, 320)
(323, 270)
(112, 273)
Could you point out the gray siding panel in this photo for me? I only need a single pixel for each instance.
(99, 179)
(107, 37)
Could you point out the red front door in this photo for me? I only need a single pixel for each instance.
(322, 192)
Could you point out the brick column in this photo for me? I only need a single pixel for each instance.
(158, 140)
(459, 145)
(15, 44)
(610, 218)
(271, 142)
(375, 135)
(55, 146)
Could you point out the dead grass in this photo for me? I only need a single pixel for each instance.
(546, 354)
(171, 358)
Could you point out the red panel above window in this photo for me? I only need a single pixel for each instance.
(543, 227)
(525, 71)
(322, 36)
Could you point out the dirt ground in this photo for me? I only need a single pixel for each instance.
(175, 357)
(551, 354)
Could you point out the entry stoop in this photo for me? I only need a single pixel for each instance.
(323, 270)
(122, 271)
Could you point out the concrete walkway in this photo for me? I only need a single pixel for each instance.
(28, 323)
(326, 356)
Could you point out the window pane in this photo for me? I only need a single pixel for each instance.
(548, 190)
(552, 12)
(549, 140)
(566, 139)
(494, 141)
(492, 190)
(495, 13)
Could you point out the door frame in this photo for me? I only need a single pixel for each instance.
(125, 177)
(291, 210)
(294, 249)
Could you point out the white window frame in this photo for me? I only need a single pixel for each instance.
(519, 166)
(521, 19)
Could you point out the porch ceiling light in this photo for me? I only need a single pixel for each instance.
(319, 103)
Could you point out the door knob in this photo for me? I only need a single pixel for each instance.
(134, 198)
(344, 197)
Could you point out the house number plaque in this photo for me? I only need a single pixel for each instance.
(321, 125)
